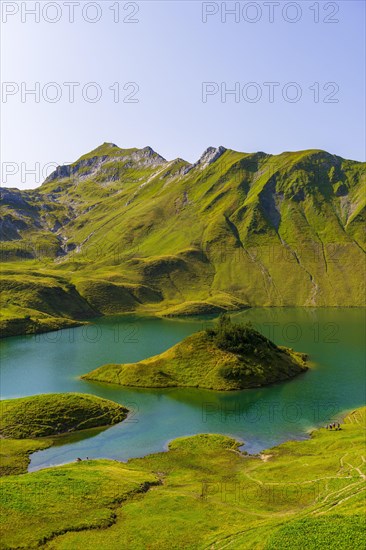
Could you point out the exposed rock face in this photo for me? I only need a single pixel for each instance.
(13, 197)
(92, 166)
(18, 214)
(210, 155)
(148, 153)
(9, 228)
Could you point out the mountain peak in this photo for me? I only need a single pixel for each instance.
(93, 162)
(148, 152)
(109, 144)
(210, 155)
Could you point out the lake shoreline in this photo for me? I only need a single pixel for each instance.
(67, 323)
(262, 416)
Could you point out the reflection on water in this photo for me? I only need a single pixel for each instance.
(75, 437)
(262, 417)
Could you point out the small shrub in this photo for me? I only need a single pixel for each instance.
(239, 338)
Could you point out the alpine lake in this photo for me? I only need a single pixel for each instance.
(261, 418)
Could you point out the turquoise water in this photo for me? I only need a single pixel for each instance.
(261, 418)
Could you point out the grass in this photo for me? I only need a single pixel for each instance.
(20, 321)
(29, 424)
(339, 531)
(207, 494)
(55, 414)
(38, 507)
(216, 304)
(129, 231)
(203, 362)
(14, 454)
(39, 302)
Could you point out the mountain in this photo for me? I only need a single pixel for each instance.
(124, 230)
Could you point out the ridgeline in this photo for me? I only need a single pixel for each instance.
(124, 230)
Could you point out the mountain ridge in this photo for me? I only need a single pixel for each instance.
(230, 230)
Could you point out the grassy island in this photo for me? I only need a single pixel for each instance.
(228, 357)
(28, 424)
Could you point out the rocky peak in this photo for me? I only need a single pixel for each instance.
(149, 154)
(92, 163)
(210, 155)
(148, 151)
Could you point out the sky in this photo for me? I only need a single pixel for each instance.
(179, 76)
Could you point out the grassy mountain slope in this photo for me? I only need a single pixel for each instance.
(230, 357)
(253, 229)
(207, 494)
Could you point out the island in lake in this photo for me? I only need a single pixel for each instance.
(228, 357)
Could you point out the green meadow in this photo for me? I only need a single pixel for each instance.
(202, 493)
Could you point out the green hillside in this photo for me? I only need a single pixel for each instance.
(28, 424)
(203, 493)
(125, 230)
(229, 357)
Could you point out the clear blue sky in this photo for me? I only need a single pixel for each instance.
(169, 53)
